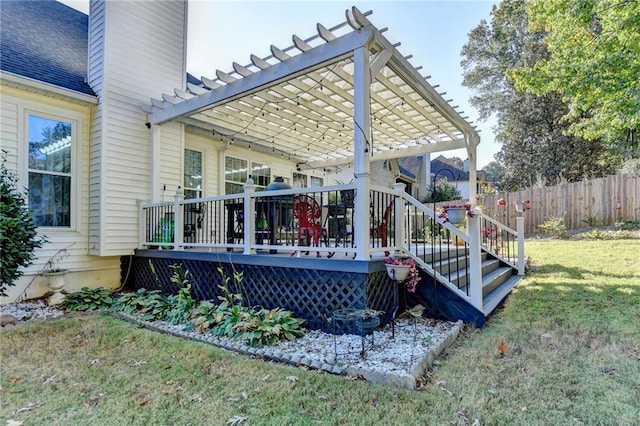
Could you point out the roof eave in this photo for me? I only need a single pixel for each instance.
(26, 82)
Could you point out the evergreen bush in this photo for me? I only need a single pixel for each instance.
(18, 233)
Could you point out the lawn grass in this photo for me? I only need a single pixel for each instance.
(572, 356)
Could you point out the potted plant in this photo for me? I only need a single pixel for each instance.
(55, 276)
(456, 213)
(403, 269)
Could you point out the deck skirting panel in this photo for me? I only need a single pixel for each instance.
(311, 288)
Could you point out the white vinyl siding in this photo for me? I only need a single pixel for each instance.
(209, 150)
(17, 104)
(137, 51)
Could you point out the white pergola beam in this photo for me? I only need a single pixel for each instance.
(271, 76)
(395, 153)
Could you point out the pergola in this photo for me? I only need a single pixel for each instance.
(345, 95)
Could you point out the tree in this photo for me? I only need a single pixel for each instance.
(530, 130)
(456, 161)
(594, 63)
(18, 233)
(494, 172)
(442, 190)
(536, 150)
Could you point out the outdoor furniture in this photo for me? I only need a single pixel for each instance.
(307, 216)
(338, 218)
(235, 223)
(360, 322)
(382, 229)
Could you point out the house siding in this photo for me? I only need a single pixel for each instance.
(136, 53)
(84, 269)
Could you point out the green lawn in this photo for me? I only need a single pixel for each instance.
(572, 356)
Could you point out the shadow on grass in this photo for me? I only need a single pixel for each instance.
(575, 273)
(609, 307)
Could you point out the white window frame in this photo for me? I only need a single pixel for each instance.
(202, 170)
(249, 169)
(75, 119)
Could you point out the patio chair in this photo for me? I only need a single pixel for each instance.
(382, 229)
(307, 216)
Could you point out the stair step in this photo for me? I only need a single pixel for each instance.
(430, 257)
(488, 267)
(493, 299)
(495, 278)
(451, 264)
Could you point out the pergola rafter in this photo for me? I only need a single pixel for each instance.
(301, 101)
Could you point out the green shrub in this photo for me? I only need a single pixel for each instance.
(442, 190)
(554, 226)
(230, 318)
(88, 299)
(266, 327)
(181, 304)
(151, 305)
(18, 234)
(627, 225)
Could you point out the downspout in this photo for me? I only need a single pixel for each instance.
(221, 166)
(156, 136)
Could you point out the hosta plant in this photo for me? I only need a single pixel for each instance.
(151, 305)
(88, 299)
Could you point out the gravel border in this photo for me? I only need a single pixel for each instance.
(311, 351)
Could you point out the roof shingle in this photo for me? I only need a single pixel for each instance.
(45, 40)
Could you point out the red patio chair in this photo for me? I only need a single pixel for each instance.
(307, 214)
(382, 229)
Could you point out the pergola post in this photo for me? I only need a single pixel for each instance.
(473, 178)
(361, 147)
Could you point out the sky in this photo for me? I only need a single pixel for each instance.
(221, 32)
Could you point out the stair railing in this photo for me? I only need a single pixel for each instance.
(503, 242)
(433, 243)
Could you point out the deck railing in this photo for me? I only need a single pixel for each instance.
(325, 221)
(307, 219)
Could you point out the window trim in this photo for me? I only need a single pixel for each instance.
(76, 121)
(203, 163)
(249, 168)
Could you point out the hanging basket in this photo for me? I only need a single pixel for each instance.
(398, 272)
(456, 214)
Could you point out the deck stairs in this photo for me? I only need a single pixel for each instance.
(498, 278)
(447, 288)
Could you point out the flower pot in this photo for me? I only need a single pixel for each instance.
(55, 282)
(456, 215)
(398, 272)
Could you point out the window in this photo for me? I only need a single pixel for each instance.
(235, 174)
(316, 181)
(299, 180)
(50, 171)
(192, 174)
(261, 175)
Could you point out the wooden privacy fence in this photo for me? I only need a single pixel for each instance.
(602, 201)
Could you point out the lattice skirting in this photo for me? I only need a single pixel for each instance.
(310, 293)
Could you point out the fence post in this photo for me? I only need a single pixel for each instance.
(475, 261)
(249, 217)
(142, 224)
(520, 230)
(178, 220)
(398, 237)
